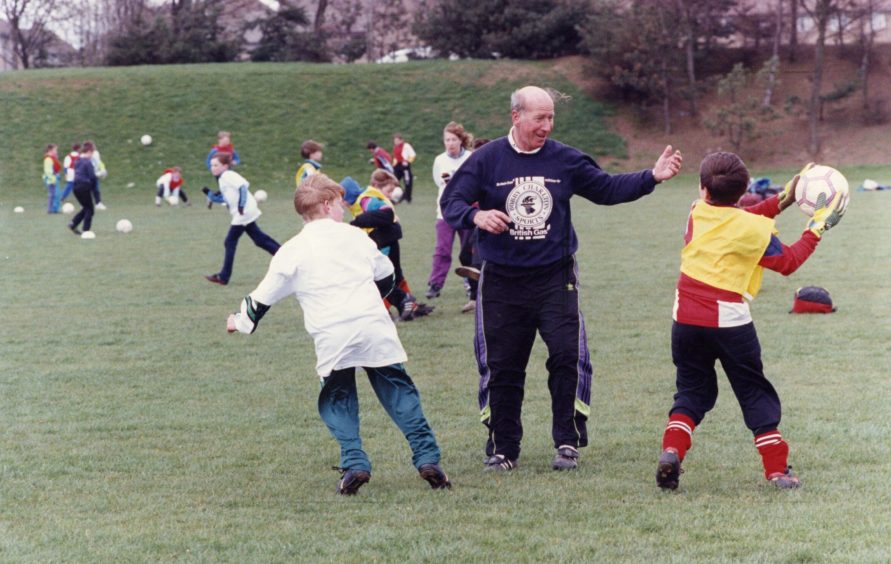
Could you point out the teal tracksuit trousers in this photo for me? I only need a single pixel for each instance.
(339, 408)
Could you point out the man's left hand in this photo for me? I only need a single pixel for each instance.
(668, 164)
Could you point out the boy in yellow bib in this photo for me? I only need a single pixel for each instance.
(726, 249)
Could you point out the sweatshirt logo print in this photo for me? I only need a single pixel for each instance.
(529, 205)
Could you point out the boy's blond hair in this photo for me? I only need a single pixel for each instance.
(314, 191)
(381, 178)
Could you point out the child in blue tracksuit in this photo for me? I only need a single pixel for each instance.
(338, 275)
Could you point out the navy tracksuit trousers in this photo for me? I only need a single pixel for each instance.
(512, 305)
(695, 350)
(256, 234)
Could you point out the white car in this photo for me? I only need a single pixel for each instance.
(406, 55)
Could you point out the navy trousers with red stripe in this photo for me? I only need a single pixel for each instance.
(695, 350)
(513, 304)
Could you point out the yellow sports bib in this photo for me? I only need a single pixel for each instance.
(371, 191)
(726, 246)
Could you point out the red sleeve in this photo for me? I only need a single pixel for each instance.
(786, 259)
(768, 208)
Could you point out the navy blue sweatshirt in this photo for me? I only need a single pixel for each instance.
(534, 190)
(84, 173)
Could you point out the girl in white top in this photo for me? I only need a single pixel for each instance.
(338, 276)
(457, 144)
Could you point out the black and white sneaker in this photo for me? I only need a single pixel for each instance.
(433, 291)
(499, 463)
(407, 313)
(567, 458)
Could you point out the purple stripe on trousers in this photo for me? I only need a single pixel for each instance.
(585, 370)
(479, 346)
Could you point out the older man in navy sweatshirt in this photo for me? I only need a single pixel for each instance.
(529, 280)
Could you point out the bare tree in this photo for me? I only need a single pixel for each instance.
(821, 11)
(89, 23)
(320, 17)
(28, 21)
(793, 29)
(689, 52)
(774, 63)
(867, 40)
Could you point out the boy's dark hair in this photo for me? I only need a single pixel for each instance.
(75, 147)
(49, 148)
(223, 157)
(371, 145)
(87, 146)
(309, 147)
(725, 176)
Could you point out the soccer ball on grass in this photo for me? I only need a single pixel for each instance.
(146, 139)
(261, 195)
(124, 226)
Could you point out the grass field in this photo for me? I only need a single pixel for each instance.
(133, 428)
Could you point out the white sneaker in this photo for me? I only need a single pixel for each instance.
(101, 206)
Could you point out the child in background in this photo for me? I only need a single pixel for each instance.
(224, 145)
(243, 208)
(84, 187)
(726, 249)
(338, 276)
(51, 170)
(170, 184)
(68, 163)
(374, 212)
(380, 158)
(457, 143)
(312, 152)
(403, 156)
(101, 172)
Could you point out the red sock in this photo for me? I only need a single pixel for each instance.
(678, 434)
(774, 452)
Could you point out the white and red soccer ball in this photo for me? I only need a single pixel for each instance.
(820, 179)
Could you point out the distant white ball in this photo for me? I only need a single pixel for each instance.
(819, 180)
(87, 235)
(124, 226)
(173, 200)
(146, 139)
(19, 209)
(398, 194)
(68, 208)
(131, 184)
(261, 195)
